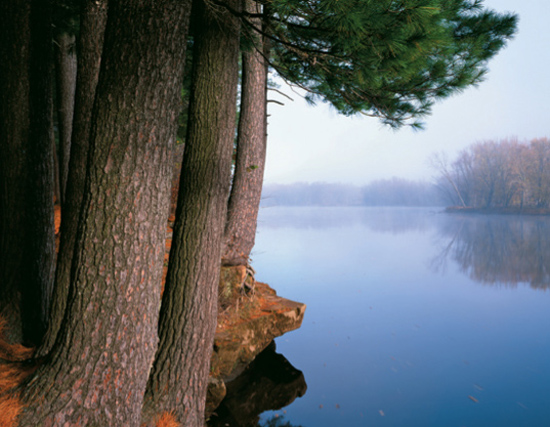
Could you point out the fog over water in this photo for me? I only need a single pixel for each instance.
(414, 317)
(315, 144)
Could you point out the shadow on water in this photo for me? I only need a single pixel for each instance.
(277, 422)
(269, 383)
(496, 249)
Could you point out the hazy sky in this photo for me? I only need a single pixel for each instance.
(310, 144)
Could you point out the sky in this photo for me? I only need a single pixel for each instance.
(316, 144)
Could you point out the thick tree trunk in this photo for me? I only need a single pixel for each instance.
(26, 164)
(246, 191)
(187, 323)
(97, 371)
(93, 18)
(65, 78)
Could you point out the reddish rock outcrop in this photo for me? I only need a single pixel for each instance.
(251, 315)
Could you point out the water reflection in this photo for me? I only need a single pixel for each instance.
(269, 383)
(388, 341)
(496, 249)
(489, 249)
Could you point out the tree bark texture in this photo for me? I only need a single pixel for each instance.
(188, 315)
(65, 78)
(93, 18)
(246, 191)
(97, 370)
(27, 249)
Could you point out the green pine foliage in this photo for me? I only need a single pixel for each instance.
(385, 58)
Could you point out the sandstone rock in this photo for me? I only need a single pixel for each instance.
(250, 317)
(215, 394)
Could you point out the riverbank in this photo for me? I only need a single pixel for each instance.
(250, 316)
(498, 211)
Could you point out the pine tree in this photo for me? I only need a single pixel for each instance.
(26, 166)
(387, 59)
(246, 189)
(93, 19)
(384, 58)
(97, 370)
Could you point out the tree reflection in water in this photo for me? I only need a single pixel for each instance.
(269, 383)
(498, 249)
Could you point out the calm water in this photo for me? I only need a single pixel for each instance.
(414, 317)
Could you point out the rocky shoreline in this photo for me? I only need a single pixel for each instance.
(250, 316)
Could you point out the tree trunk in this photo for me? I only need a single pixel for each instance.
(97, 370)
(93, 18)
(56, 179)
(14, 128)
(65, 78)
(26, 164)
(246, 191)
(188, 315)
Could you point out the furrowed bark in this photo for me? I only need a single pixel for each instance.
(246, 191)
(97, 371)
(188, 316)
(93, 18)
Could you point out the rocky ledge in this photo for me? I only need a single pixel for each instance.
(250, 316)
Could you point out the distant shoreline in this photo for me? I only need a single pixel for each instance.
(499, 211)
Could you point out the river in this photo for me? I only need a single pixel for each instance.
(414, 317)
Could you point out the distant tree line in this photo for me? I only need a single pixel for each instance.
(386, 192)
(494, 174)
